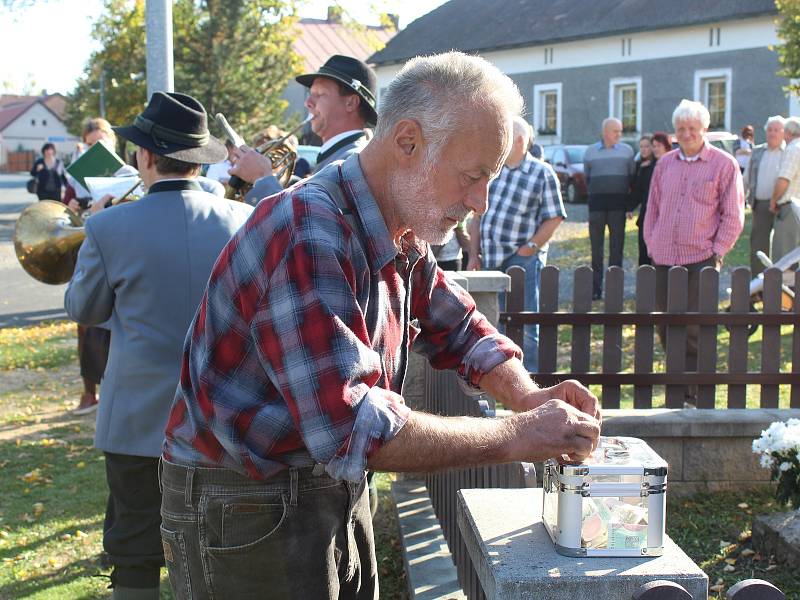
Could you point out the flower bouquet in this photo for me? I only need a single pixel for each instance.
(778, 447)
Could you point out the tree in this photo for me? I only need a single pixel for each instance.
(235, 56)
(789, 51)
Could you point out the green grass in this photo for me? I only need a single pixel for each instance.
(713, 528)
(39, 347)
(391, 573)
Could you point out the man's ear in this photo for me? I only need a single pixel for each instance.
(351, 103)
(149, 158)
(407, 140)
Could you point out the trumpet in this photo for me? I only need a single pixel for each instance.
(281, 152)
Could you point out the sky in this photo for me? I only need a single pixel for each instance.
(51, 39)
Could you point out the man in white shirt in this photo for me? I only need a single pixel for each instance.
(759, 182)
(341, 102)
(786, 236)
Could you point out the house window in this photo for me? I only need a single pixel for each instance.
(33, 122)
(714, 36)
(44, 122)
(713, 89)
(625, 103)
(548, 56)
(547, 111)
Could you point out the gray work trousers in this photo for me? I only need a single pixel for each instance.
(760, 234)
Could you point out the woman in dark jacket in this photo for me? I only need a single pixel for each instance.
(49, 174)
(650, 149)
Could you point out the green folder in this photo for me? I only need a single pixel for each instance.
(97, 161)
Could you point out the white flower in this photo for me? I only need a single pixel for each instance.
(766, 461)
(785, 466)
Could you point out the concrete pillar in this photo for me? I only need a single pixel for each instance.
(158, 24)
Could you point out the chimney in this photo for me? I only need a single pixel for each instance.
(334, 14)
(394, 19)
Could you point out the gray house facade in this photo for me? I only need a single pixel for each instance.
(578, 62)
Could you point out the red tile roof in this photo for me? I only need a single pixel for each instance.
(319, 39)
(12, 106)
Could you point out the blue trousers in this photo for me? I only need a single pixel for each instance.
(533, 269)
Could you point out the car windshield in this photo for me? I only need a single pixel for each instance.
(575, 153)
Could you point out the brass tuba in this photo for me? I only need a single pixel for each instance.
(279, 147)
(47, 238)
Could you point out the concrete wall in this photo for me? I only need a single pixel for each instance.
(707, 450)
(756, 92)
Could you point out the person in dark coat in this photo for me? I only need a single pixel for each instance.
(651, 148)
(49, 174)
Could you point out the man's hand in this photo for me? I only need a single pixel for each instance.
(773, 207)
(553, 429)
(249, 165)
(570, 391)
(74, 205)
(474, 262)
(101, 204)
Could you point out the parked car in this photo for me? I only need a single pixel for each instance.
(567, 162)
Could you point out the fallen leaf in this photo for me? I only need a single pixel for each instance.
(730, 561)
(772, 567)
(747, 552)
(80, 534)
(80, 465)
(38, 509)
(717, 588)
(745, 535)
(743, 505)
(729, 568)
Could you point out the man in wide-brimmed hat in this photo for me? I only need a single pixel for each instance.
(341, 101)
(142, 270)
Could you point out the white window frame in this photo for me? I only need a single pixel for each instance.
(538, 114)
(700, 77)
(616, 111)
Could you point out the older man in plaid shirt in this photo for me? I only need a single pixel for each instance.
(525, 209)
(293, 367)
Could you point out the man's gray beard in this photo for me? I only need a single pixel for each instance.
(416, 207)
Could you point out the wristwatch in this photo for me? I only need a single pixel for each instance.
(532, 245)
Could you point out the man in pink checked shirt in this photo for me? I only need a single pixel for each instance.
(695, 212)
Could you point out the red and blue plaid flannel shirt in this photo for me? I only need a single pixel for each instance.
(299, 348)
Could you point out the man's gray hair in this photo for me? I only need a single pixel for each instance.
(689, 110)
(440, 90)
(609, 121)
(775, 119)
(792, 126)
(521, 126)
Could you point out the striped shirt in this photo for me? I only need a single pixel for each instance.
(790, 170)
(299, 348)
(520, 200)
(695, 208)
(609, 173)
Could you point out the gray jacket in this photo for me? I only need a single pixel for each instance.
(142, 271)
(751, 173)
(267, 186)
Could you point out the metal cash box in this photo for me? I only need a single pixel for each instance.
(612, 504)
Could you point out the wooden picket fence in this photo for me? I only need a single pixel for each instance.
(738, 318)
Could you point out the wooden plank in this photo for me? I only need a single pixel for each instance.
(515, 302)
(771, 336)
(737, 352)
(548, 334)
(612, 334)
(581, 334)
(708, 302)
(643, 340)
(794, 397)
(595, 378)
(677, 296)
(654, 318)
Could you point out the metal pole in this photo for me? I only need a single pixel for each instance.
(102, 93)
(158, 23)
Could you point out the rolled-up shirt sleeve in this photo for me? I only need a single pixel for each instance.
(314, 346)
(453, 333)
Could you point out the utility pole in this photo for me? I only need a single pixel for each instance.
(158, 23)
(102, 93)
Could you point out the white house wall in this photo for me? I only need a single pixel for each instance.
(28, 132)
(665, 61)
